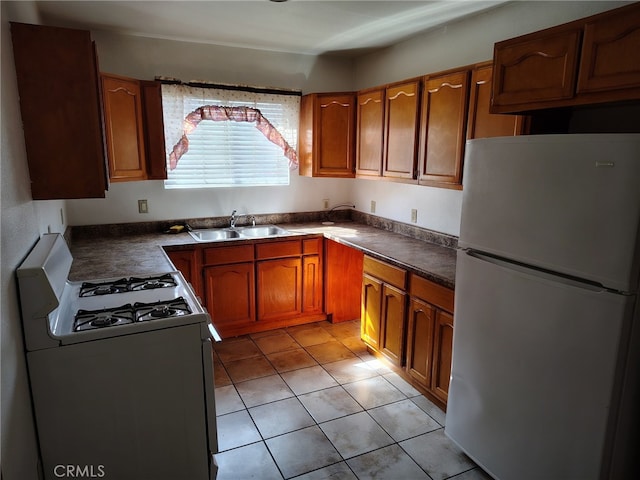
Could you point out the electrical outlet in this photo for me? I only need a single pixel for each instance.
(373, 206)
(325, 203)
(414, 215)
(142, 206)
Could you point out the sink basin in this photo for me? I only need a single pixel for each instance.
(218, 234)
(213, 234)
(262, 231)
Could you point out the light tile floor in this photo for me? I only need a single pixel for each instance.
(309, 402)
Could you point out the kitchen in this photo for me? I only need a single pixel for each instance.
(439, 209)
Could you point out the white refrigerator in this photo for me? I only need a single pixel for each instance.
(544, 381)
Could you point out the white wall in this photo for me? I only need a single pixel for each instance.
(23, 220)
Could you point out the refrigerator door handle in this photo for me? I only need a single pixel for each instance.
(539, 272)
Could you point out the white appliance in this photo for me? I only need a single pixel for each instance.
(120, 371)
(544, 381)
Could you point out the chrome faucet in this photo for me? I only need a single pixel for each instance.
(233, 219)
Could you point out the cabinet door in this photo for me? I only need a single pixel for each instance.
(536, 67)
(230, 294)
(392, 331)
(371, 310)
(609, 48)
(369, 132)
(311, 284)
(481, 123)
(279, 285)
(58, 85)
(327, 135)
(343, 281)
(420, 341)
(187, 262)
(401, 130)
(444, 110)
(442, 355)
(153, 130)
(123, 128)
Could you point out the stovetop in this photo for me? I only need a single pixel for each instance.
(110, 307)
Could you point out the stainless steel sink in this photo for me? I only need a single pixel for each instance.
(214, 234)
(218, 234)
(262, 231)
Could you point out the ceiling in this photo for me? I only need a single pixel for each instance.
(311, 27)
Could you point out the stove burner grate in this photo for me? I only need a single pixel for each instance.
(106, 317)
(88, 289)
(164, 309)
(132, 284)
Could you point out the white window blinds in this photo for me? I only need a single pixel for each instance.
(228, 152)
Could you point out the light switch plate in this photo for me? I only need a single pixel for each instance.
(142, 206)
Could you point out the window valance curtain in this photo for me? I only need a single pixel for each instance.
(185, 106)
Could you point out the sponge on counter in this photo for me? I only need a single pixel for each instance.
(176, 229)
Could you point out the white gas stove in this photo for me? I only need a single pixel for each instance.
(143, 342)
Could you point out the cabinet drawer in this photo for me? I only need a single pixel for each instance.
(278, 249)
(222, 255)
(312, 245)
(431, 292)
(385, 272)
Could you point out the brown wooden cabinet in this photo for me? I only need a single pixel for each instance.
(383, 308)
(591, 60)
(430, 336)
(443, 130)
(187, 261)
(369, 132)
(124, 128)
(402, 106)
(312, 275)
(134, 128)
(480, 122)
(327, 135)
(342, 281)
(58, 85)
(229, 285)
(153, 130)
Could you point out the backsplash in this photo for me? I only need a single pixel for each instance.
(140, 228)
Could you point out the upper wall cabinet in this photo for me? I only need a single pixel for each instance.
(592, 60)
(480, 122)
(58, 85)
(123, 128)
(444, 117)
(369, 132)
(402, 104)
(327, 135)
(134, 129)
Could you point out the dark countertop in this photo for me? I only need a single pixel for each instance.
(135, 255)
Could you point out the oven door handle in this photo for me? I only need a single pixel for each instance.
(213, 333)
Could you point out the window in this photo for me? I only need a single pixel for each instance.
(229, 138)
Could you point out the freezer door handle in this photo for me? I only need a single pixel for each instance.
(538, 272)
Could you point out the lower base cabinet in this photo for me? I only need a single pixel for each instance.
(430, 336)
(408, 320)
(250, 287)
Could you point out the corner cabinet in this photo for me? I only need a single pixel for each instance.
(58, 84)
(326, 137)
(481, 123)
(591, 60)
(134, 128)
